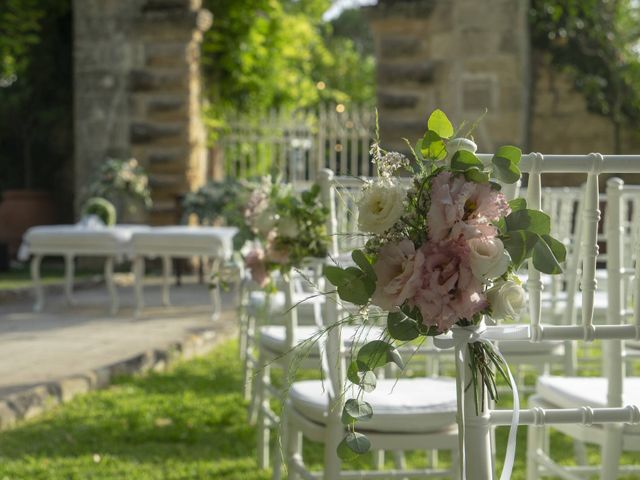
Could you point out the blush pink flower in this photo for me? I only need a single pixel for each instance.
(255, 262)
(394, 270)
(448, 290)
(460, 208)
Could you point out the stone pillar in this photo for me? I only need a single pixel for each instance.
(458, 55)
(103, 51)
(137, 83)
(167, 134)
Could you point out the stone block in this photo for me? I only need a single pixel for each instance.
(395, 73)
(167, 104)
(166, 54)
(168, 157)
(398, 46)
(396, 101)
(156, 79)
(146, 132)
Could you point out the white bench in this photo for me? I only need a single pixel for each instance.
(211, 243)
(70, 241)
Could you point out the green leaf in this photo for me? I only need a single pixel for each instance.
(376, 354)
(544, 259)
(356, 410)
(362, 261)
(353, 445)
(511, 153)
(368, 381)
(519, 244)
(518, 204)
(335, 275)
(505, 170)
(440, 124)
(353, 373)
(531, 220)
(433, 147)
(463, 160)
(402, 327)
(476, 175)
(557, 248)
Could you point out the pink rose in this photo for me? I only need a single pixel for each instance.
(394, 268)
(448, 291)
(254, 261)
(463, 209)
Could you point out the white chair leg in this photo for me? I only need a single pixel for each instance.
(281, 446)
(334, 433)
(294, 449)
(68, 278)
(263, 425)
(378, 459)
(138, 283)
(611, 451)
(37, 283)
(111, 287)
(216, 300)
(166, 277)
(534, 443)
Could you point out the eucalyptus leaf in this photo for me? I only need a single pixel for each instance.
(463, 160)
(440, 124)
(476, 175)
(544, 259)
(368, 381)
(518, 204)
(402, 327)
(511, 153)
(557, 248)
(519, 244)
(362, 261)
(335, 275)
(353, 445)
(375, 354)
(531, 220)
(505, 170)
(433, 146)
(358, 409)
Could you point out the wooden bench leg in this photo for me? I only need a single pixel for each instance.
(113, 293)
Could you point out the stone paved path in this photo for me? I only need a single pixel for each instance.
(61, 342)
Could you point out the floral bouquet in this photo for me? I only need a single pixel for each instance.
(122, 178)
(443, 252)
(288, 228)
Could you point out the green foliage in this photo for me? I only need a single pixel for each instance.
(596, 42)
(35, 94)
(355, 284)
(102, 208)
(263, 54)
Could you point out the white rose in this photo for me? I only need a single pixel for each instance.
(456, 144)
(507, 300)
(265, 221)
(381, 206)
(288, 227)
(488, 258)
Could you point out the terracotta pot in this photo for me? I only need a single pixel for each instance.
(21, 209)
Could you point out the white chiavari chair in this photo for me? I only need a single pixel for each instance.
(476, 427)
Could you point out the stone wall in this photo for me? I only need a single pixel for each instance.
(137, 80)
(462, 56)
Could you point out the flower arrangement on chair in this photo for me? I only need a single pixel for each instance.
(288, 228)
(122, 180)
(441, 255)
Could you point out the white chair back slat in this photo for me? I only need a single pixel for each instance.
(534, 282)
(591, 218)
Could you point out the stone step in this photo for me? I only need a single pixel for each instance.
(422, 73)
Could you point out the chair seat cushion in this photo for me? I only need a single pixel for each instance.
(273, 337)
(407, 405)
(305, 303)
(575, 392)
(515, 348)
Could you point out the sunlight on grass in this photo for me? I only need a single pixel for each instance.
(189, 422)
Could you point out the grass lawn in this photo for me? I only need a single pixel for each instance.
(20, 277)
(188, 423)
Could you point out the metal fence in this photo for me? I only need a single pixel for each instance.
(296, 144)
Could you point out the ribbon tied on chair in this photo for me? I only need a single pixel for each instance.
(460, 338)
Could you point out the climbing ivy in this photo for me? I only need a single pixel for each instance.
(596, 41)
